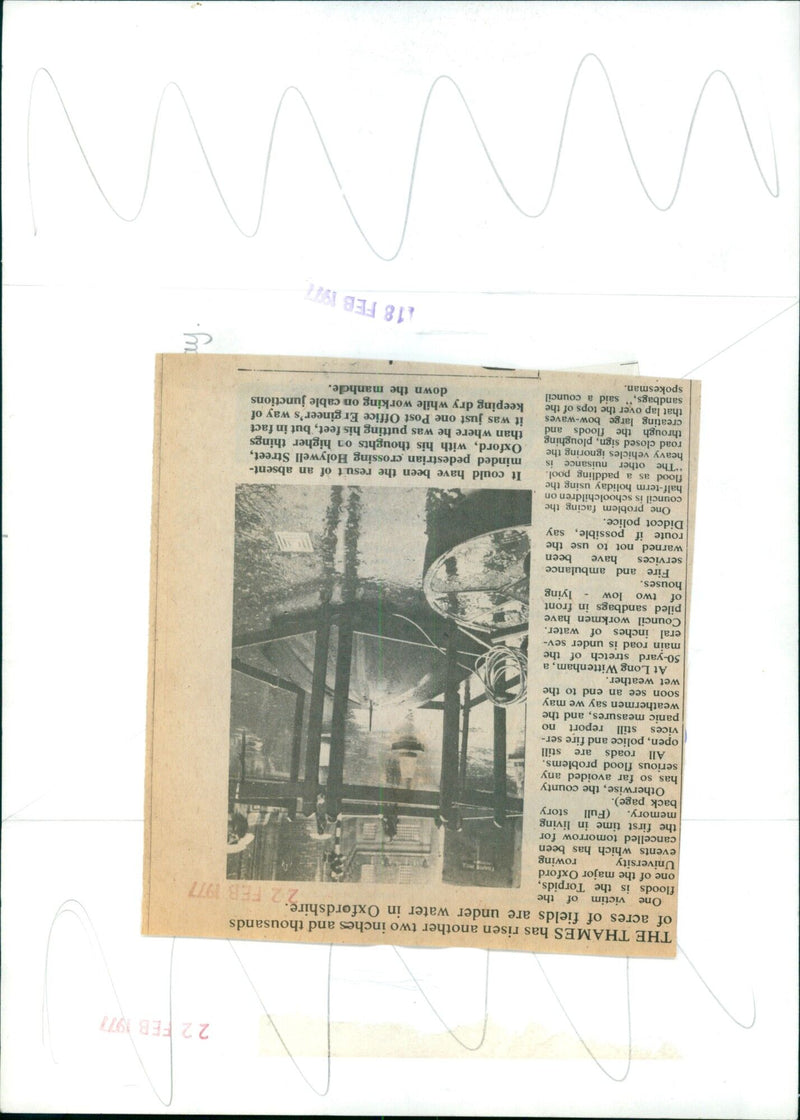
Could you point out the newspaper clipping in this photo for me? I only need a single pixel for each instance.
(418, 654)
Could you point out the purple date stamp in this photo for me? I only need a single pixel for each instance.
(358, 305)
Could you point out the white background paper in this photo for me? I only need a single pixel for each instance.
(123, 234)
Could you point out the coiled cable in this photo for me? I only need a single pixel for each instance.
(503, 671)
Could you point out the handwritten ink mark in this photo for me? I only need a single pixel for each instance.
(442, 78)
(449, 1029)
(192, 340)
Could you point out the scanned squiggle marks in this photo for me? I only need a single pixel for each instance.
(578, 1034)
(17, 812)
(289, 1054)
(736, 342)
(534, 212)
(76, 910)
(449, 1029)
(715, 997)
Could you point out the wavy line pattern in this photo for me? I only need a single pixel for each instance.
(443, 79)
(73, 908)
(450, 1031)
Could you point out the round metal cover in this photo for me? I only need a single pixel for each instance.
(484, 582)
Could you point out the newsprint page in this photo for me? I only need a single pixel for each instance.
(418, 644)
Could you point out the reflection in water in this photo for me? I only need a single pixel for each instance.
(371, 760)
(483, 582)
(374, 549)
(389, 674)
(327, 547)
(352, 533)
(404, 758)
(262, 721)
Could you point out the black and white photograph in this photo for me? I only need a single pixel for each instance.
(378, 685)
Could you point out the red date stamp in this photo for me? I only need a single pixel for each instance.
(242, 892)
(154, 1028)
